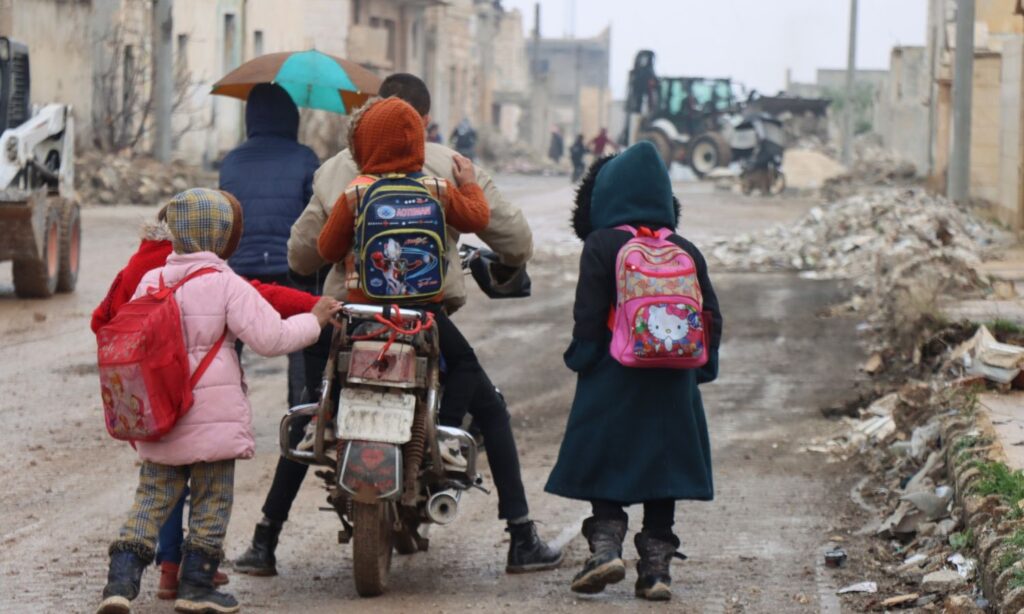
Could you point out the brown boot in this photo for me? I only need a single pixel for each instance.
(220, 578)
(654, 582)
(168, 587)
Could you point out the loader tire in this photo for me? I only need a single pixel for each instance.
(372, 542)
(70, 247)
(37, 277)
(661, 142)
(708, 152)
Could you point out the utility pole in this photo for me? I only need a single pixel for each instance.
(163, 79)
(959, 173)
(851, 67)
(576, 120)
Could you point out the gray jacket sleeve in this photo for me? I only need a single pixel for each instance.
(329, 182)
(508, 233)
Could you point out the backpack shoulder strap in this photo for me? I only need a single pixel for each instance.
(163, 290)
(627, 228)
(207, 360)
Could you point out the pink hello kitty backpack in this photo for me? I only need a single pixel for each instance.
(658, 320)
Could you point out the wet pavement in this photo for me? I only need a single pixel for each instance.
(756, 548)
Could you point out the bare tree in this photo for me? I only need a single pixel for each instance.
(123, 115)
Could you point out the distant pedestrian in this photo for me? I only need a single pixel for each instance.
(576, 154)
(557, 148)
(434, 134)
(463, 139)
(271, 175)
(602, 142)
(634, 435)
(201, 448)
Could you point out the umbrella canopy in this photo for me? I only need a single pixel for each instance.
(313, 79)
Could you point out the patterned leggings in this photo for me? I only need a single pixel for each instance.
(160, 488)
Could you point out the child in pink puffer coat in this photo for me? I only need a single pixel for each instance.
(202, 447)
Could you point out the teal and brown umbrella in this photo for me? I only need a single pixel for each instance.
(313, 79)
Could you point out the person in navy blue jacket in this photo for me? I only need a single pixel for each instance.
(271, 175)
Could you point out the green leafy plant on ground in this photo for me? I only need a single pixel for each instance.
(962, 540)
(1017, 581)
(1003, 329)
(998, 479)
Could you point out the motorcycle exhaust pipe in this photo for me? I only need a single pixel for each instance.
(443, 507)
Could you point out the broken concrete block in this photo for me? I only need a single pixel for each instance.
(942, 581)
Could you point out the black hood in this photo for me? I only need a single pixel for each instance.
(271, 112)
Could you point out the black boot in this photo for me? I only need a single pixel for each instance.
(605, 565)
(195, 590)
(526, 552)
(653, 580)
(127, 562)
(259, 559)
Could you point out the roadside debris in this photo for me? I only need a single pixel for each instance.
(983, 356)
(900, 600)
(942, 581)
(835, 558)
(860, 587)
(109, 179)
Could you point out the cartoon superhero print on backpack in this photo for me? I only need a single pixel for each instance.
(403, 269)
(400, 240)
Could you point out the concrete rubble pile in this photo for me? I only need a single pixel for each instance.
(921, 549)
(900, 248)
(121, 179)
(873, 166)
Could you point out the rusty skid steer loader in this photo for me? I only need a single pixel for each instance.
(40, 223)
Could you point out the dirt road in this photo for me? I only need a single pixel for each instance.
(67, 485)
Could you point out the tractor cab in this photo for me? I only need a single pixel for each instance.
(15, 89)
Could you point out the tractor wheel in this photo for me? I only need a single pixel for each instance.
(708, 152)
(37, 277)
(661, 142)
(70, 247)
(372, 543)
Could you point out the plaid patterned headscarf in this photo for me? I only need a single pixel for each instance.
(200, 220)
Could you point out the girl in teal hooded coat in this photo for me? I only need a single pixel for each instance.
(634, 435)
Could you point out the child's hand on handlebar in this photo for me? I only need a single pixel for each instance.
(463, 170)
(325, 309)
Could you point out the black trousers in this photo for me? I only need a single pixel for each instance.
(659, 514)
(467, 389)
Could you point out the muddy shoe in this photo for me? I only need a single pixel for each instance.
(196, 592)
(654, 582)
(123, 579)
(605, 565)
(259, 559)
(526, 551)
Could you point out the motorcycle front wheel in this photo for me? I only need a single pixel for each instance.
(372, 542)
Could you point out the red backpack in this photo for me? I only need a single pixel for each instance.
(143, 365)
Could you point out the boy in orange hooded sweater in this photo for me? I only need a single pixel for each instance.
(387, 136)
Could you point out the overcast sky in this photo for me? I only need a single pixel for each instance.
(752, 41)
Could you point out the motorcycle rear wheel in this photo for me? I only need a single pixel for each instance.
(372, 543)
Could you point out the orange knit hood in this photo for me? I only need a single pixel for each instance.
(387, 136)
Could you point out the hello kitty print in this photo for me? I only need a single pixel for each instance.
(657, 319)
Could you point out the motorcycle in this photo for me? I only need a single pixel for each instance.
(389, 467)
(762, 169)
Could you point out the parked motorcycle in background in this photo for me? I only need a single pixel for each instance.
(389, 467)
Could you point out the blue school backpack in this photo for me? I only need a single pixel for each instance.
(400, 239)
